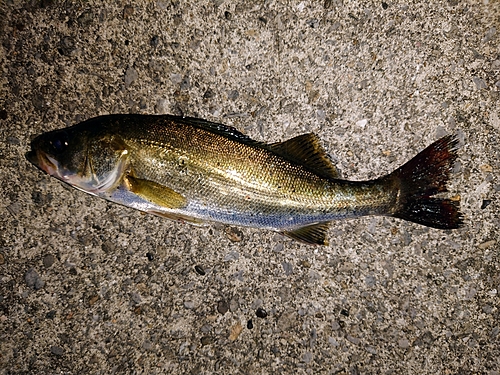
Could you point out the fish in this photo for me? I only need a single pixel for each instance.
(198, 171)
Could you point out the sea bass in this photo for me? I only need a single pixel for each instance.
(197, 171)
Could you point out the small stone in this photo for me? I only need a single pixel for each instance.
(189, 304)
(57, 350)
(424, 340)
(161, 106)
(332, 341)
(2, 259)
(287, 267)
(307, 357)
(85, 19)
(222, 307)
(185, 83)
(440, 131)
(305, 263)
(486, 244)
(250, 324)
(33, 280)
(479, 82)
(353, 339)
(135, 297)
(235, 331)
(233, 255)
(486, 168)
(199, 270)
(486, 203)
(487, 309)
(234, 234)
(261, 313)
(362, 123)
(371, 350)
(66, 46)
(150, 256)
(128, 11)
(155, 41)
(206, 340)
(175, 78)
(406, 238)
(13, 140)
(321, 114)
(489, 35)
(147, 345)
(93, 300)
(233, 95)
(278, 247)
(130, 76)
(14, 208)
(404, 343)
(48, 260)
(344, 312)
(370, 280)
(234, 304)
(108, 246)
(209, 94)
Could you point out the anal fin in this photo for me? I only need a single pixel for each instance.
(314, 234)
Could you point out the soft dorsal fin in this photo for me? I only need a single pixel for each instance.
(314, 234)
(307, 151)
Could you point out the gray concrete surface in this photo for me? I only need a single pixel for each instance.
(91, 287)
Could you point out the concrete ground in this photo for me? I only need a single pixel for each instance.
(91, 287)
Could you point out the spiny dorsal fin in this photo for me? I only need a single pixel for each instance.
(225, 130)
(307, 151)
(312, 234)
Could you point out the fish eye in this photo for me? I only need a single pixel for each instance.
(59, 142)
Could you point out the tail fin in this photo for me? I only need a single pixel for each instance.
(424, 176)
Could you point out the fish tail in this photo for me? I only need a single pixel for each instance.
(420, 179)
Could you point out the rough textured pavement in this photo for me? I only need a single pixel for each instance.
(91, 287)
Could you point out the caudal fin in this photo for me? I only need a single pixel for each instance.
(420, 179)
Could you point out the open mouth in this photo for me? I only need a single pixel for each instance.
(43, 162)
(32, 157)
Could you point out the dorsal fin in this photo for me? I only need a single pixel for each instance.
(225, 130)
(314, 234)
(307, 151)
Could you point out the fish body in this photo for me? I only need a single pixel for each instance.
(198, 171)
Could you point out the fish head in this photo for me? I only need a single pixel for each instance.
(84, 156)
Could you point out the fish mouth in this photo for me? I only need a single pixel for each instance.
(32, 157)
(43, 162)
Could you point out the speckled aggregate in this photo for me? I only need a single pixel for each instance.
(91, 287)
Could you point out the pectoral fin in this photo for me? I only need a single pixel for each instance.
(155, 193)
(312, 234)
